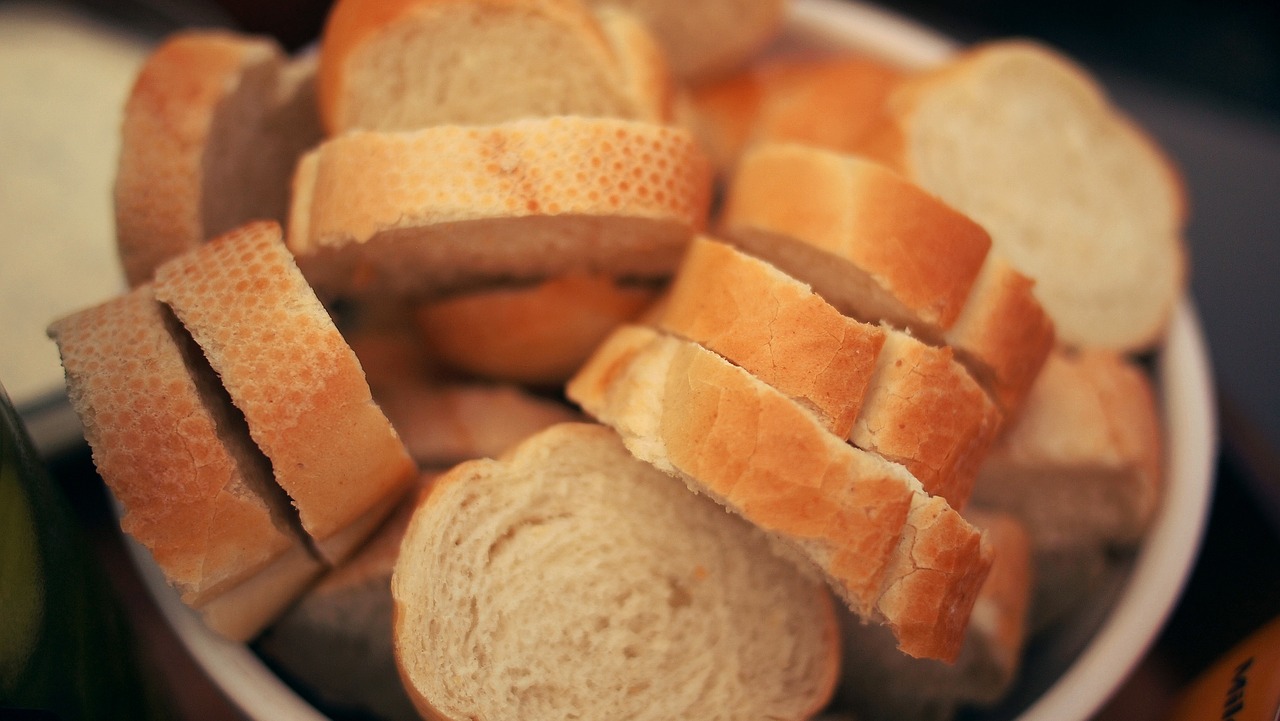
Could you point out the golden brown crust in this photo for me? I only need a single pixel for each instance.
(423, 211)
(167, 122)
(775, 328)
(999, 618)
(188, 479)
(535, 335)
(914, 248)
(293, 377)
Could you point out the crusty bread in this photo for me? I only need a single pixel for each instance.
(444, 424)
(193, 489)
(673, 608)
(410, 64)
(295, 380)
(704, 39)
(177, 457)
(882, 249)
(212, 129)
(440, 208)
(880, 684)
(896, 555)
(643, 62)
(537, 334)
(831, 102)
(1025, 142)
(335, 642)
(887, 392)
(1083, 462)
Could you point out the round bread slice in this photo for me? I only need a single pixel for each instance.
(571, 580)
(882, 249)
(193, 489)
(1025, 142)
(443, 208)
(297, 382)
(212, 129)
(704, 39)
(410, 64)
(537, 334)
(896, 555)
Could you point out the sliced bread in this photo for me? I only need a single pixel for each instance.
(895, 555)
(295, 380)
(882, 249)
(538, 334)
(445, 207)
(674, 609)
(885, 391)
(193, 489)
(1083, 464)
(212, 129)
(410, 64)
(1024, 141)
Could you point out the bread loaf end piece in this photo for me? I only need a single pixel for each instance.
(675, 609)
(294, 378)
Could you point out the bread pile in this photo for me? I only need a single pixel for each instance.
(565, 263)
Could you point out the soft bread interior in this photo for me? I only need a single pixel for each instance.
(674, 609)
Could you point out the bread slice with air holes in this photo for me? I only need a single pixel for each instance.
(295, 380)
(448, 207)
(884, 250)
(671, 609)
(410, 64)
(887, 392)
(894, 554)
(193, 489)
(1023, 140)
(212, 128)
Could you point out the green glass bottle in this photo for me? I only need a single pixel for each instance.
(66, 650)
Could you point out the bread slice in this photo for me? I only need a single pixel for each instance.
(643, 62)
(894, 554)
(673, 609)
(445, 207)
(293, 377)
(446, 423)
(193, 489)
(878, 683)
(882, 249)
(885, 391)
(212, 129)
(704, 39)
(1024, 141)
(335, 642)
(410, 64)
(538, 334)
(832, 102)
(1083, 463)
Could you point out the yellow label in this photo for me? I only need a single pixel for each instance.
(1243, 685)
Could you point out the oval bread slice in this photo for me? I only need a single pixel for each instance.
(571, 580)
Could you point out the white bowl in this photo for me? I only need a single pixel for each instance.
(1068, 674)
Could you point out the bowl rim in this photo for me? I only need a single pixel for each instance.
(1160, 569)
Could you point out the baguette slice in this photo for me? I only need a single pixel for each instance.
(410, 64)
(1082, 465)
(442, 208)
(536, 334)
(674, 609)
(1025, 142)
(194, 490)
(895, 555)
(212, 129)
(882, 249)
(294, 378)
(880, 684)
(704, 39)
(887, 392)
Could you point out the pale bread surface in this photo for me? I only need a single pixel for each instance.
(674, 610)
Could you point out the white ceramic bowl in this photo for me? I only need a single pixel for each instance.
(1069, 673)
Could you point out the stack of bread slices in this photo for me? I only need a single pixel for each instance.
(549, 358)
